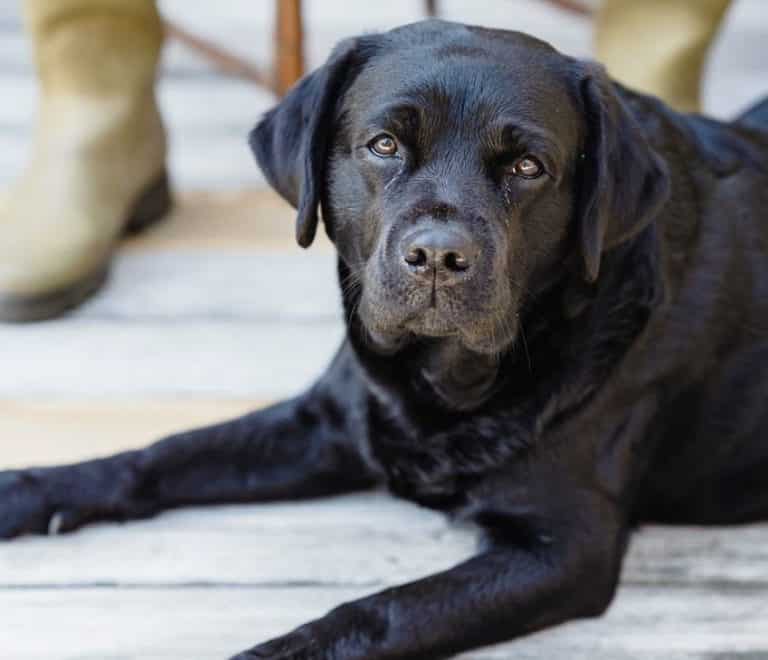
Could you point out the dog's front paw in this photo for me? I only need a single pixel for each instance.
(23, 506)
(348, 632)
(40, 501)
(301, 644)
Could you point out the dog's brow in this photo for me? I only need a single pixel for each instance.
(401, 117)
(509, 133)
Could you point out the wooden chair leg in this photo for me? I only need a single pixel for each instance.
(289, 45)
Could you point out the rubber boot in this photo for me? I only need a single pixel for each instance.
(97, 169)
(659, 46)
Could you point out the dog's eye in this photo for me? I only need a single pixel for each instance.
(527, 167)
(384, 146)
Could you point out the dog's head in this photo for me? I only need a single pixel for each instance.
(459, 170)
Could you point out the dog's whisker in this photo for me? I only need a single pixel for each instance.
(521, 327)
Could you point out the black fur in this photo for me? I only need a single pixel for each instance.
(601, 362)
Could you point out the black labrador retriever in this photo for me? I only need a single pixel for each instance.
(556, 293)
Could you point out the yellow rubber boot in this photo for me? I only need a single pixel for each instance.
(97, 169)
(659, 46)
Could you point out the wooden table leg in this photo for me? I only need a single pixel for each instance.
(289, 45)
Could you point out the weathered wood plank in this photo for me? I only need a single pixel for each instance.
(188, 285)
(225, 221)
(206, 358)
(49, 433)
(371, 539)
(664, 555)
(213, 623)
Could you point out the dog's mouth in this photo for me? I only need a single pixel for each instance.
(432, 322)
(478, 313)
(388, 335)
(486, 334)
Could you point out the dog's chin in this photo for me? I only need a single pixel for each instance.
(482, 336)
(431, 323)
(490, 339)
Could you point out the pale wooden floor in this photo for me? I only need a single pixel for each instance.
(216, 312)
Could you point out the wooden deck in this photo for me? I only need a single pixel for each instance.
(216, 312)
(202, 584)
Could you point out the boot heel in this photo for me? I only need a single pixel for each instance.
(151, 206)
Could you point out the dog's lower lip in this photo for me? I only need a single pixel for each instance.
(431, 323)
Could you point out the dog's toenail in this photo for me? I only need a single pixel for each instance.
(54, 526)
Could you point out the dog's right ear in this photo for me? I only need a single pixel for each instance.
(291, 141)
(624, 183)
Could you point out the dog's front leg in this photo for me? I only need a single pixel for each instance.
(511, 589)
(304, 447)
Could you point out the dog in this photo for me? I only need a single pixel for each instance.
(556, 295)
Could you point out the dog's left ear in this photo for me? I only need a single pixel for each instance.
(624, 182)
(291, 141)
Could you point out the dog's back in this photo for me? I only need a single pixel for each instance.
(756, 116)
(725, 287)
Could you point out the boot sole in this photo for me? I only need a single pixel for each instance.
(151, 206)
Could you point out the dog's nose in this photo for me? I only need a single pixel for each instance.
(444, 252)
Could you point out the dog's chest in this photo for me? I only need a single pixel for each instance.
(437, 467)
